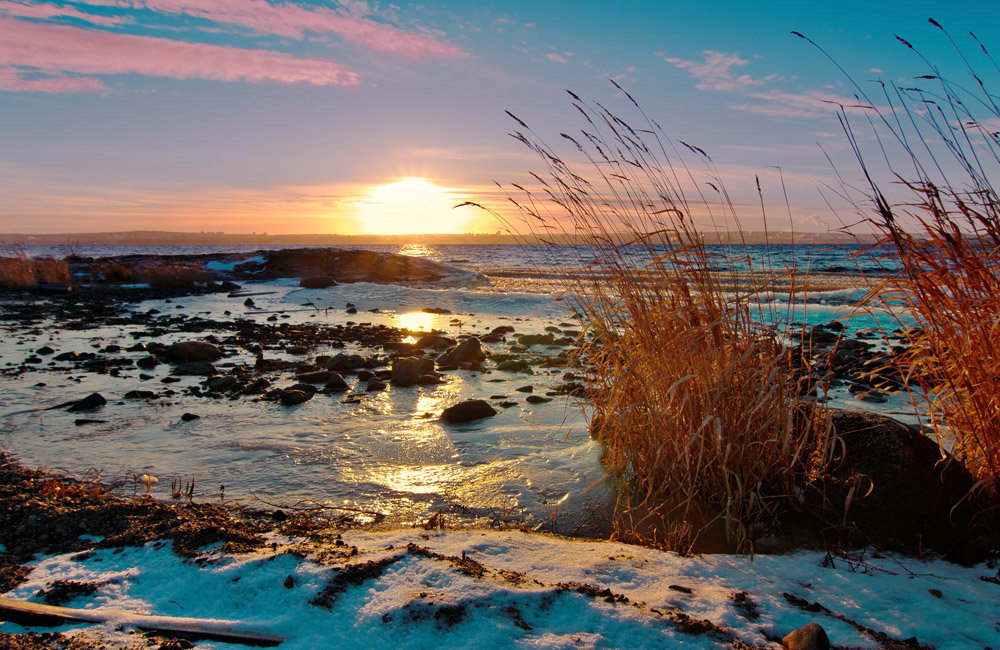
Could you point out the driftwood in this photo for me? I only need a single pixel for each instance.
(38, 614)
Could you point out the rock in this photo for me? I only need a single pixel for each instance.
(471, 409)
(376, 385)
(365, 375)
(807, 637)
(317, 282)
(44, 350)
(410, 371)
(436, 310)
(188, 351)
(198, 368)
(227, 382)
(187, 417)
(435, 341)
(536, 399)
(515, 365)
(525, 389)
(147, 363)
(305, 388)
(536, 339)
(68, 356)
(291, 397)
(917, 496)
(336, 384)
(82, 421)
(468, 351)
(88, 403)
(140, 394)
(249, 303)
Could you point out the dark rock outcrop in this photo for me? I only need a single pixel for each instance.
(471, 409)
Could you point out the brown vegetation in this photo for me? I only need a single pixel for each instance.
(22, 272)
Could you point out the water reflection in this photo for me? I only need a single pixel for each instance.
(416, 250)
(417, 321)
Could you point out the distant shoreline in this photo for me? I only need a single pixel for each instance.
(141, 238)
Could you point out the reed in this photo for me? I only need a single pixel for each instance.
(19, 271)
(706, 420)
(929, 185)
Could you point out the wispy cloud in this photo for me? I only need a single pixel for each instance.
(716, 71)
(809, 103)
(51, 58)
(47, 10)
(351, 21)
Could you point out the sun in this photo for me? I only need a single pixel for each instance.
(411, 206)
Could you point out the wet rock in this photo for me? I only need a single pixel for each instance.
(82, 421)
(525, 389)
(472, 409)
(257, 386)
(69, 356)
(807, 637)
(536, 399)
(196, 368)
(468, 351)
(515, 365)
(536, 339)
(336, 384)
(317, 282)
(140, 394)
(147, 363)
(410, 371)
(376, 385)
(88, 403)
(436, 310)
(366, 375)
(188, 417)
(44, 351)
(249, 303)
(223, 383)
(435, 341)
(291, 397)
(193, 351)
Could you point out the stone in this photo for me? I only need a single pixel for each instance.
(140, 394)
(376, 385)
(188, 417)
(515, 365)
(316, 376)
(436, 310)
(907, 492)
(468, 351)
(336, 384)
(536, 399)
(808, 637)
(189, 351)
(198, 368)
(410, 371)
(88, 403)
(467, 411)
(147, 363)
(317, 282)
(44, 350)
(536, 339)
(227, 382)
(435, 341)
(291, 397)
(525, 389)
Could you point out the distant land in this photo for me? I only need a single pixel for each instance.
(154, 237)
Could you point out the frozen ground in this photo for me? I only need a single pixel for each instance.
(509, 589)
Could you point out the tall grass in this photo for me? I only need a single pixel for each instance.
(929, 166)
(704, 417)
(19, 271)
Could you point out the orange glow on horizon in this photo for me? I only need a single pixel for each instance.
(411, 206)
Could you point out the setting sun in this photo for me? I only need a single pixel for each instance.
(412, 206)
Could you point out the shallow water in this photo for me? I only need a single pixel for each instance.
(389, 454)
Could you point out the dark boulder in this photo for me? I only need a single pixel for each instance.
(336, 384)
(197, 368)
(410, 371)
(315, 377)
(471, 409)
(808, 637)
(892, 485)
(147, 363)
(468, 351)
(187, 351)
(88, 403)
(291, 396)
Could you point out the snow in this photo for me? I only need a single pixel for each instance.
(426, 598)
(221, 265)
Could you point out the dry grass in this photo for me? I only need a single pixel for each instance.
(154, 273)
(943, 221)
(697, 405)
(22, 272)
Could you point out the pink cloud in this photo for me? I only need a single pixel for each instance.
(55, 50)
(557, 58)
(293, 20)
(44, 10)
(811, 103)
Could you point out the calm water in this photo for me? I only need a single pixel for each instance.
(388, 454)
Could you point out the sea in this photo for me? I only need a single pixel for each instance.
(386, 457)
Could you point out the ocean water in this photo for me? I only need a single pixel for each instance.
(387, 454)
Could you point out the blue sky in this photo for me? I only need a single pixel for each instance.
(293, 117)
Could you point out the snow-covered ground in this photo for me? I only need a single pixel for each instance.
(510, 589)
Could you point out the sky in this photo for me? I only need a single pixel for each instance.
(362, 117)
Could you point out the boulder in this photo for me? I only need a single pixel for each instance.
(291, 396)
(147, 363)
(410, 371)
(435, 341)
(470, 409)
(336, 384)
(226, 382)
(468, 351)
(88, 403)
(317, 282)
(894, 485)
(188, 351)
(515, 365)
(316, 377)
(807, 637)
